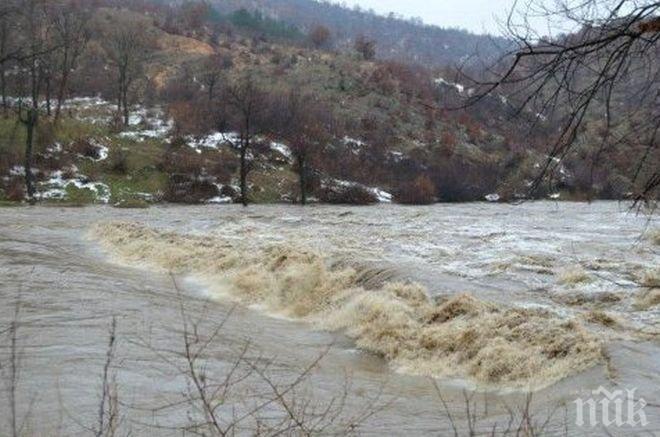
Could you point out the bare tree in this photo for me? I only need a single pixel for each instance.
(320, 36)
(246, 104)
(365, 47)
(35, 44)
(212, 70)
(217, 401)
(6, 50)
(607, 67)
(306, 126)
(108, 413)
(127, 44)
(70, 23)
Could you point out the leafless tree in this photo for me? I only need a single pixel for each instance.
(606, 67)
(35, 43)
(365, 47)
(320, 36)
(306, 126)
(108, 413)
(246, 105)
(212, 70)
(127, 44)
(7, 49)
(70, 24)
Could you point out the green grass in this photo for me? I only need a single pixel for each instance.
(9, 204)
(132, 204)
(268, 187)
(125, 187)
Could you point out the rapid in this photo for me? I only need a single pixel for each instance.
(411, 310)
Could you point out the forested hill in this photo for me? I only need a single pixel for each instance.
(396, 38)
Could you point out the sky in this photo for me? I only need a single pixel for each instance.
(478, 16)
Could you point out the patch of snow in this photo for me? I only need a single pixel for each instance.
(353, 141)
(554, 196)
(396, 156)
(381, 195)
(55, 187)
(493, 197)
(219, 200)
(441, 81)
(17, 170)
(214, 140)
(282, 149)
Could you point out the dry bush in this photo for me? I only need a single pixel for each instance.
(84, 147)
(223, 403)
(421, 191)
(348, 195)
(460, 180)
(411, 81)
(15, 189)
(191, 117)
(118, 160)
(8, 160)
(183, 161)
(187, 189)
(222, 170)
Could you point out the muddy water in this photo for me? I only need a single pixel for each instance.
(567, 258)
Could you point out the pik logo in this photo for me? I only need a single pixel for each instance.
(611, 408)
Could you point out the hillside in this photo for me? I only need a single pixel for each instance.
(396, 38)
(380, 130)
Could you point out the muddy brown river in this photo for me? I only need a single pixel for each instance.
(557, 299)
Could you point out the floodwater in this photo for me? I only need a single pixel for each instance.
(565, 261)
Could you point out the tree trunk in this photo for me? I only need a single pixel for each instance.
(302, 174)
(126, 111)
(30, 124)
(48, 108)
(63, 83)
(120, 93)
(211, 87)
(3, 91)
(244, 146)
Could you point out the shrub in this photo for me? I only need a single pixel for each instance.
(15, 190)
(79, 196)
(118, 160)
(85, 148)
(319, 36)
(353, 194)
(182, 161)
(8, 159)
(187, 189)
(132, 203)
(420, 191)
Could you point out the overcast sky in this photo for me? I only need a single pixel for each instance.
(478, 16)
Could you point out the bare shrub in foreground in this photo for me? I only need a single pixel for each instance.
(218, 403)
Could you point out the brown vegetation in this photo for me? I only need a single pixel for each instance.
(421, 191)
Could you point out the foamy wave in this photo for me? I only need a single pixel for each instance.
(460, 337)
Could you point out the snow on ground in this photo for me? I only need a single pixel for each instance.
(382, 195)
(219, 200)
(493, 197)
(214, 140)
(147, 124)
(55, 187)
(283, 149)
(441, 81)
